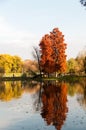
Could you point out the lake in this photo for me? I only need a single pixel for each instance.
(50, 105)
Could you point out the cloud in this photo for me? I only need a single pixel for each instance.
(9, 36)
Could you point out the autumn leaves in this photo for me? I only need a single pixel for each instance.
(52, 48)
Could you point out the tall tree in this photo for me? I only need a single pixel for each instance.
(52, 48)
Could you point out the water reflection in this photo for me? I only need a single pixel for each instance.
(78, 89)
(81, 97)
(15, 89)
(54, 99)
(49, 99)
(9, 90)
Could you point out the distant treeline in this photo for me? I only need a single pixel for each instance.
(15, 65)
(77, 65)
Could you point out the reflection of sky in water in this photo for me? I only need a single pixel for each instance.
(20, 114)
(76, 117)
(16, 110)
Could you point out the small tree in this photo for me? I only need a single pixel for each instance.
(37, 57)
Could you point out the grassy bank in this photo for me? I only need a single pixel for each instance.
(67, 78)
(14, 78)
(71, 78)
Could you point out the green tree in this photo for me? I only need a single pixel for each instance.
(81, 61)
(72, 66)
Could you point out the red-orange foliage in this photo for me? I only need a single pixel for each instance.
(53, 58)
(54, 108)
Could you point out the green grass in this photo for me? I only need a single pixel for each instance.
(71, 78)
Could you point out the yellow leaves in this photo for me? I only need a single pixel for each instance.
(9, 90)
(10, 63)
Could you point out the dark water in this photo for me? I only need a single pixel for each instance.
(43, 106)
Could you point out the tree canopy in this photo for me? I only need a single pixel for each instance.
(10, 64)
(52, 48)
(78, 64)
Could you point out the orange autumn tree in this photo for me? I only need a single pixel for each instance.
(52, 48)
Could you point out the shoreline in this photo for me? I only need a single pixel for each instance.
(59, 78)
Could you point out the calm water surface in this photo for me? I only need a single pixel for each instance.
(46, 106)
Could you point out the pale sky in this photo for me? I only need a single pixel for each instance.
(24, 22)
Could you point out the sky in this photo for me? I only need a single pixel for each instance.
(24, 22)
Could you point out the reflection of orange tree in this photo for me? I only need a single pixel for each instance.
(54, 98)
